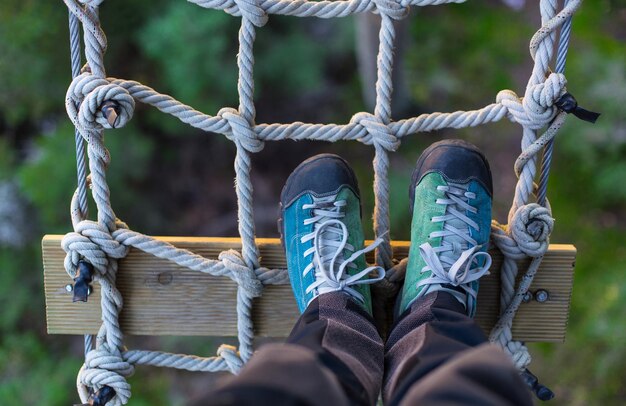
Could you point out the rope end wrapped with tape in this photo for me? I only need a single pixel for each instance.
(568, 104)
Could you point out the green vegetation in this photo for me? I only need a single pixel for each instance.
(459, 57)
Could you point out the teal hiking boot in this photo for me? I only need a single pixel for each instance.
(450, 195)
(320, 228)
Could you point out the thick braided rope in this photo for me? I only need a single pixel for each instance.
(246, 143)
(227, 360)
(380, 135)
(507, 104)
(321, 9)
(103, 242)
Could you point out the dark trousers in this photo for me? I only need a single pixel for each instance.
(435, 354)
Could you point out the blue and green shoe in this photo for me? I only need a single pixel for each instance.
(450, 194)
(321, 231)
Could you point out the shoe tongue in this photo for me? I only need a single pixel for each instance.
(330, 233)
(458, 243)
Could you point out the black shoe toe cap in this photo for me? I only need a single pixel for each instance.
(321, 175)
(457, 161)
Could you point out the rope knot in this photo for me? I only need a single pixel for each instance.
(105, 367)
(251, 10)
(241, 132)
(539, 99)
(518, 353)
(394, 9)
(538, 107)
(241, 273)
(94, 103)
(378, 133)
(231, 357)
(94, 243)
(531, 227)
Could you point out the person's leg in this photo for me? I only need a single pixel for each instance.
(436, 352)
(481, 376)
(334, 355)
(344, 339)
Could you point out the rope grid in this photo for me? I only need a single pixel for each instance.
(95, 102)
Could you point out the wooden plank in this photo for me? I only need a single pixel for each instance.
(161, 298)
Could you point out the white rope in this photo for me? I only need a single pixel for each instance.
(226, 360)
(101, 243)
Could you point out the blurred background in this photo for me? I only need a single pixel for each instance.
(169, 179)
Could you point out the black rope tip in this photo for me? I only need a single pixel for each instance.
(82, 281)
(541, 391)
(568, 104)
(102, 396)
(544, 393)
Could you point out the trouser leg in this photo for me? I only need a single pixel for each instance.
(436, 354)
(333, 356)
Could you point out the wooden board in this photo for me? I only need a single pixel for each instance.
(161, 298)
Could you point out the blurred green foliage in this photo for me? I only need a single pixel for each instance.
(460, 56)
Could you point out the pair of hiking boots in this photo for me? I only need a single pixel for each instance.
(450, 198)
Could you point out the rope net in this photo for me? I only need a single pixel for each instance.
(95, 102)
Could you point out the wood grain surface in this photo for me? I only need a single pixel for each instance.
(161, 298)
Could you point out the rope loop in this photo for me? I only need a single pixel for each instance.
(241, 273)
(530, 227)
(87, 98)
(105, 366)
(251, 10)
(394, 9)
(537, 108)
(241, 132)
(231, 357)
(92, 110)
(378, 133)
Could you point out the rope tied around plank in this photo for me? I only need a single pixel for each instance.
(526, 235)
(95, 103)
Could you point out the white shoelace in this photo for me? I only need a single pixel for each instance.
(456, 260)
(330, 247)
